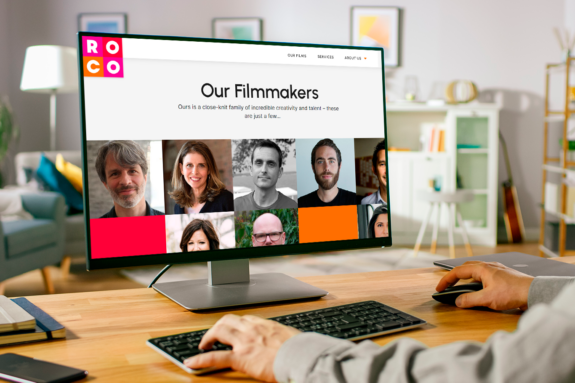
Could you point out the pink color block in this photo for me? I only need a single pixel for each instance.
(113, 64)
(126, 237)
(112, 47)
(94, 44)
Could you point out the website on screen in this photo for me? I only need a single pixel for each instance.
(199, 146)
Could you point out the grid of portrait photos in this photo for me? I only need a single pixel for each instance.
(176, 196)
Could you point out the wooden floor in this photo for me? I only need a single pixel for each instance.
(81, 280)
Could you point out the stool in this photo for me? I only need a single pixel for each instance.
(449, 199)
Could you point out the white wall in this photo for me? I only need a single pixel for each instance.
(501, 45)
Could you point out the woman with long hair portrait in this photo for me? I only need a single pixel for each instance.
(199, 235)
(379, 224)
(197, 187)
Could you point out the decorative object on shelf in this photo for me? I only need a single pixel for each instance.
(468, 146)
(378, 27)
(572, 94)
(437, 94)
(248, 28)
(103, 22)
(50, 69)
(566, 43)
(460, 92)
(9, 132)
(411, 88)
(437, 183)
(458, 181)
(512, 211)
(570, 146)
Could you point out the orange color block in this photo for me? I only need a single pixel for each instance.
(93, 67)
(322, 224)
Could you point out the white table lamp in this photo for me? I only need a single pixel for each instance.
(50, 69)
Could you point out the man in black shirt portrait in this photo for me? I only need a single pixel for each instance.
(326, 165)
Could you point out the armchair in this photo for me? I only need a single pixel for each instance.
(75, 242)
(33, 244)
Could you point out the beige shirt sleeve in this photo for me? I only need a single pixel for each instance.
(540, 350)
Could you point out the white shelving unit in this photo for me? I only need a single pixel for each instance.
(409, 171)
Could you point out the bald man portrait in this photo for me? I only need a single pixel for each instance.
(268, 231)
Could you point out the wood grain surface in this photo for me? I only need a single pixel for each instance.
(107, 330)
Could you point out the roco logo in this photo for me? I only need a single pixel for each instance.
(103, 57)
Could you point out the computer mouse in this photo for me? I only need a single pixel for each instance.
(450, 294)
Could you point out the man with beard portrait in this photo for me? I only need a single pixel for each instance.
(123, 169)
(326, 164)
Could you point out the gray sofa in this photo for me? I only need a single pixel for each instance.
(34, 244)
(75, 242)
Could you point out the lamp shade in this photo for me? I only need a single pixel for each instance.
(49, 68)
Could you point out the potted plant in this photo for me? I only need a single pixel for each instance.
(9, 133)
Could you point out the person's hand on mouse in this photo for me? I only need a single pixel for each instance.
(503, 288)
(255, 343)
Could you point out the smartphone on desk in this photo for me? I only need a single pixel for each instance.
(22, 369)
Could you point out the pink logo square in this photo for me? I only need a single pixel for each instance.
(92, 46)
(112, 47)
(113, 67)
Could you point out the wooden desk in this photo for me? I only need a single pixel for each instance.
(107, 330)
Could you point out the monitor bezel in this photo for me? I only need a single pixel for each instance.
(221, 254)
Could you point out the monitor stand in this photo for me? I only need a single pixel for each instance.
(229, 284)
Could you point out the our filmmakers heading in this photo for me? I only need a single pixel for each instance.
(245, 91)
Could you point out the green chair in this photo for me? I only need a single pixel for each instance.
(34, 244)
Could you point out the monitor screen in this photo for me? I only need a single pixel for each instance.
(206, 150)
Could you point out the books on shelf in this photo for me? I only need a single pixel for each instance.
(553, 199)
(13, 317)
(45, 327)
(433, 138)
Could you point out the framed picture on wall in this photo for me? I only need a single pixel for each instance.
(238, 28)
(378, 27)
(103, 22)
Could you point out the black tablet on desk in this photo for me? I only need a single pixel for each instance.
(19, 368)
(525, 263)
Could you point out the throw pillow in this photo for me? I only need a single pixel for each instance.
(34, 182)
(70, 171)
(48, 173)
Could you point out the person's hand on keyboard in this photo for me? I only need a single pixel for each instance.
(503, 288)
(255, 343)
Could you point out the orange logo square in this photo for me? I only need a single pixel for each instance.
(93, 67)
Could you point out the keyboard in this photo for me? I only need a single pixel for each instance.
(353, 322)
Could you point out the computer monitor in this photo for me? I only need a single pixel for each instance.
(205, 150)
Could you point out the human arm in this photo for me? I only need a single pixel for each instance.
(539, 351)
(503, 288)
(545, 289)
(540, 346)
(255, 343)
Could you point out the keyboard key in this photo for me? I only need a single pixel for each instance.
(348, 319)
(388, 325)
(182, 347)
(187, 354)
(351, 326)
(329, 314)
